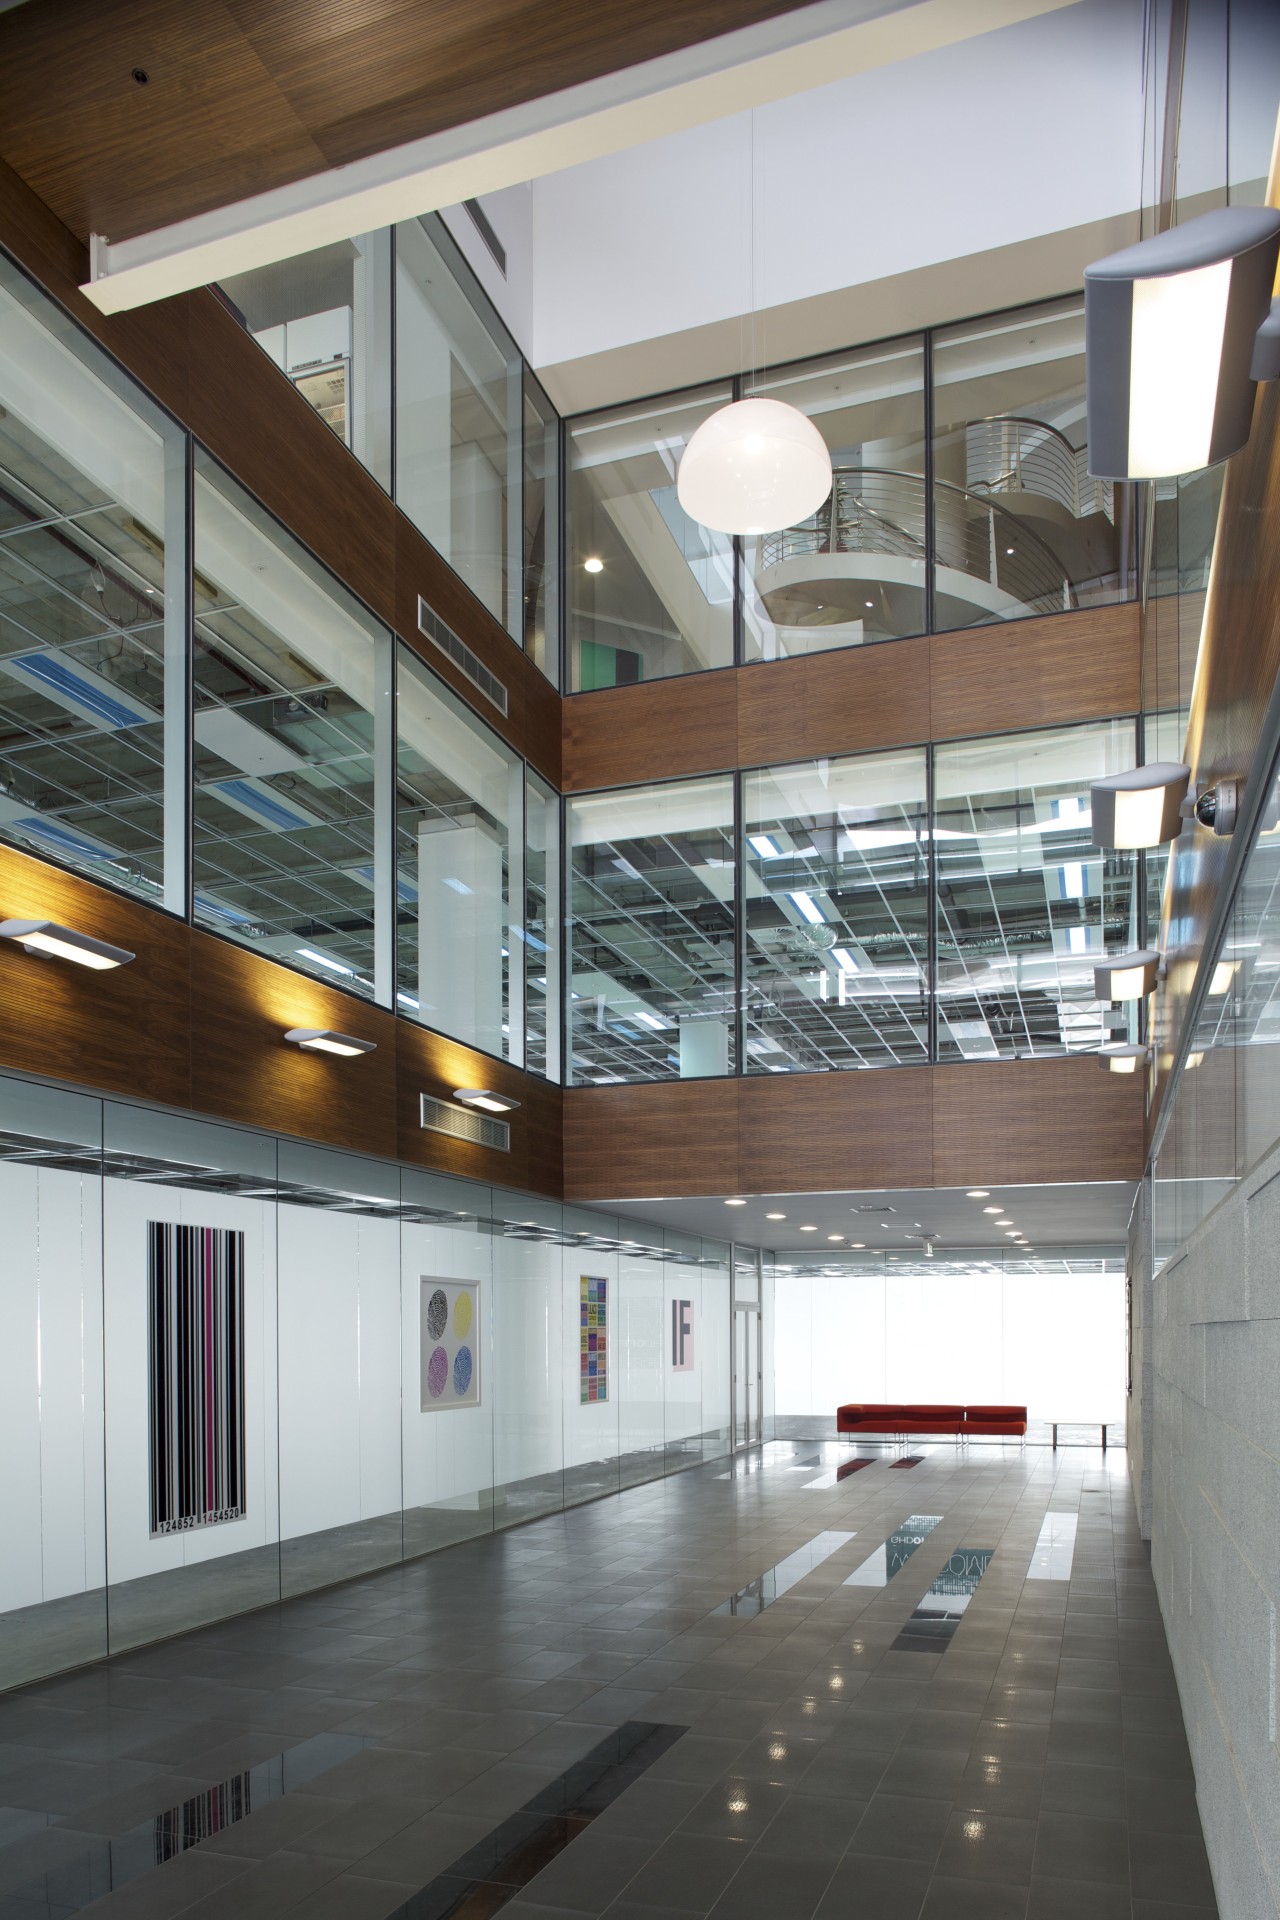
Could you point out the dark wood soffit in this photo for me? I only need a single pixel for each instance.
(1047, 671)
(197, 1024)
(212, 375)
(1028, 1121)
(243, 95)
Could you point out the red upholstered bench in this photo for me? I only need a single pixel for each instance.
(871, 1416)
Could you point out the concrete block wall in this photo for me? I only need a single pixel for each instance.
(1214, 1469)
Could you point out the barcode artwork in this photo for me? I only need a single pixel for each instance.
(195, 1286)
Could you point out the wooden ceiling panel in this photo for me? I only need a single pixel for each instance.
(243, 95)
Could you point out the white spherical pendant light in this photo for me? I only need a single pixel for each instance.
(753, 467)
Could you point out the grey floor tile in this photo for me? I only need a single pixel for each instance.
(950, 1899)
(988, 1847)
(864, 1887)
(899, 1827)
(687, 1874)
(1077, 1900)
(808, 1827)
(1170, 1867)
(1072, 1846)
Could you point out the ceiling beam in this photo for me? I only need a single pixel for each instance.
(787, 55)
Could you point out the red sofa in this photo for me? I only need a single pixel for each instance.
(923, 1417)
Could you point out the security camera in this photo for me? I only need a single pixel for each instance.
(1218, 807)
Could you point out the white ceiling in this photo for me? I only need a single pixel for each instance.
(1051, 1216)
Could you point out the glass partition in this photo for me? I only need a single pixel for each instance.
(325, 319)
(1027, 905)
(837, 914)
(1019, 525)
(92, 609)
(648, 591)
(459, 842)
(541, 512)
(286, 665)
(542, 923)
(652, 932)
(458, 415)
(854, 571)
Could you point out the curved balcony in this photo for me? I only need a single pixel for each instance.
(1029, 532)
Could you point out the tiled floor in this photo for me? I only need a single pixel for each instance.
(1034, 1768)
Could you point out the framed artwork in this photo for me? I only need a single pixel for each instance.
(195, 1376)
(449, 1333)
(593, 1329)
(682, 1336)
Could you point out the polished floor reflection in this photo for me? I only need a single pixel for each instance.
(1033, 1765)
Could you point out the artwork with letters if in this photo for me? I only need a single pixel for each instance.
(449, 1330)
(682, 1336)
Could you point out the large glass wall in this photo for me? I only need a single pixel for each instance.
(836, 911)
(648, 592)
(92, 608)
(450, 420)
(284, 852)
(893, 908)
(359, 1446)
(1027, 905)
(652, 964)
(1019, 525)
(856, 570)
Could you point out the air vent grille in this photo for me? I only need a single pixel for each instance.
(459, 652)
(460, 1123)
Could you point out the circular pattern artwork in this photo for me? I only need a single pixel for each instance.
(451, 1338)
(437, 1372)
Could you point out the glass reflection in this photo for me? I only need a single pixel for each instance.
(1027, 905)
(652, 932)
(837, 933)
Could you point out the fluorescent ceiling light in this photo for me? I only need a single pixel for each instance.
(1171, 344)
(845, 960)
(1130, 976)
(1140, 808)
(324, 1040)
(484, 1098)
(648, 1019)
(64, 943)
(323, 960)
(766, 846)
(808, 909)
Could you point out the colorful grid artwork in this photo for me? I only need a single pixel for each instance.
(195, 1351)
(449, 1323)
(594, 1348)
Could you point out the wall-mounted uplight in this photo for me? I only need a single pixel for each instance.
(64, 943)
(488, 1102)
(1140, 808)
(1122, 1059)
(324, 1040)
(1177, 330)
(1130, 976)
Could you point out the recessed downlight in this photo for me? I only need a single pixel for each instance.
(593, 564)
(735, 1203)
(977, 1193)
(808, 1229)
(835, 1236)
(993, 1209)
(775, 1216)
(1004, 1223)
(859, 1246)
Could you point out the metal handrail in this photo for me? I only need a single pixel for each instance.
(973, 534)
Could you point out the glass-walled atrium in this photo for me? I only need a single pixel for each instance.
(961, 493)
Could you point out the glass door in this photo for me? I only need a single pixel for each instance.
(747, 1353)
